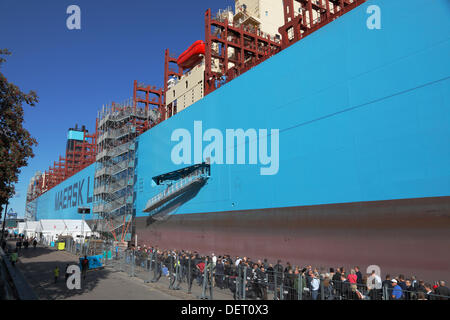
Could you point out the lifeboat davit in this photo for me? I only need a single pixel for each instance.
(192, 56)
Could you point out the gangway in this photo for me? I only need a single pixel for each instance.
(179, 182)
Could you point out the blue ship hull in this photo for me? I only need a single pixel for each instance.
(364, 133)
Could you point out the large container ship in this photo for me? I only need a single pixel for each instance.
(316, 132)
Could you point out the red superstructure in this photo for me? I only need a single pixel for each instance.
(79, 155)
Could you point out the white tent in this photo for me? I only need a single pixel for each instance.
(77, 228)
(50, 229)
(21, 227)
(30, 228)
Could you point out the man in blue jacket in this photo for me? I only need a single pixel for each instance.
(397, 292)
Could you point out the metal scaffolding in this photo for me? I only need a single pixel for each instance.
(118, 127)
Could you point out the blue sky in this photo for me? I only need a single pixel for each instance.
(75, 72)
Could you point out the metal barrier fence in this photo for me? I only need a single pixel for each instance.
(203, 280)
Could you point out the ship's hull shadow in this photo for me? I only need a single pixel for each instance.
(164, 213)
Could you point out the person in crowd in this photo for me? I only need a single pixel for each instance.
(237, 261)
(18, 245)
(354, 293)
(84, 266)
(184, 266)
(56, 273)
(14, 257)
(359, 276)
(352, 277)
(200, 268)
(332, 273)
(337, 275)
(288, 267)
(345, 289)
(271, 277)
(262, 281)
(374, 286)
(401, 282)
(309, 275)
(328, 288)
(421, 296)
(387, 283)
(265, 264)
(232, 283)
(429, 291)
(315, 286)
(289, 285)
(408, 292)
(34, 243)
(227, 269)
(443, 291)
(414, 283)
(397, 291)
(435, 286)
(192, 272)
(421, 287)
(219, 274)
(278, 277)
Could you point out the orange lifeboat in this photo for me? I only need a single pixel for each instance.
(192, 55)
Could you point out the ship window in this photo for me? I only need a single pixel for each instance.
(187, 85)
(174, 93)
(267, 13)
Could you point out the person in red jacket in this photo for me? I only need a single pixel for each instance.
(201, 267)
(352, 277)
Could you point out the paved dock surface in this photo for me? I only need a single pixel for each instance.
(37, 266)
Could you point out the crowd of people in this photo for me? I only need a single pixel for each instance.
(21, 241)
(251, 279)
(284, 281)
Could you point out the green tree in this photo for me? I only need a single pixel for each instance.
(15, 141)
